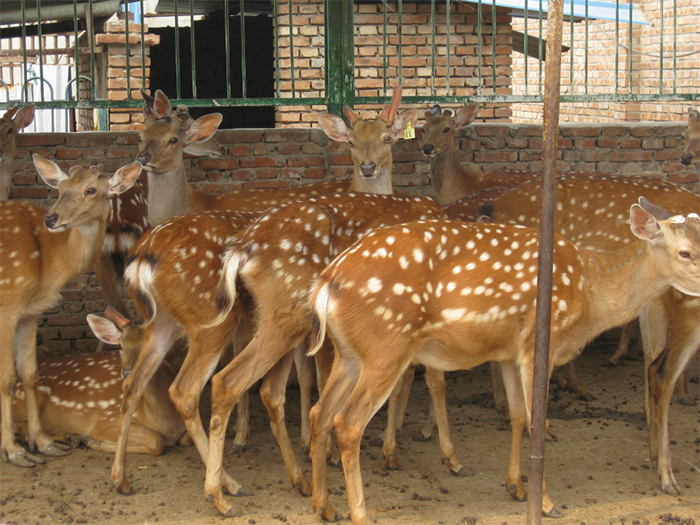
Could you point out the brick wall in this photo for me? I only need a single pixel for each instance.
(280, 157)
(416, 59)
(645, 58)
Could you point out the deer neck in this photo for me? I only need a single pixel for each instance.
(379, 184)
(167, 195)
(450, 180)
(613, 280)
(6, 168)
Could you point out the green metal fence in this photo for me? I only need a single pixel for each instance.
(341, 31)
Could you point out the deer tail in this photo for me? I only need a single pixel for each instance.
(233, 261)
(318, 328)
(139, 274)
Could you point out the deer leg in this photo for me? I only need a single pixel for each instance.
(305, 375)
(141, 440)
(324, 363)
(568, 371)
(267, 347)
(389, 448)
(500, 400)
(25, 358)
(337, 388)
(369, 394)
(624, 344)
(435, 379)
(242, 425)
(156, 345)
(684, 397)
(272, 393)
(518, 420)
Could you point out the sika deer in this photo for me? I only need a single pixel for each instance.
(275, 260)
(172, 273)
(450, 180)
(590, 214)
(453, 295)
(11, 122)
(39, 253)
(79, 396)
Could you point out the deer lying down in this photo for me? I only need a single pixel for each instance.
(453, 295)
(79, 396)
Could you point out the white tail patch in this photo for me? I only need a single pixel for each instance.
(232, 264)
(139, 275)
(321, 308)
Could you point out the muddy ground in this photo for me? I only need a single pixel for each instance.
(597, 471)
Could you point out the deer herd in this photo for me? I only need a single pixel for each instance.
(344, 275)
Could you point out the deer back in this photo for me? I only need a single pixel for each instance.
(177, 265)
(11, 122)
(592, 211)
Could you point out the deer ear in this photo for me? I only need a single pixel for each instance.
(466, 115)
(402, 120)
(49, 171)
(116, 318)
(204, 128)
(105, 330)
(124, 178)
(161, 105)
(24, 116)
(643, 224)
(657, 211)
(334, 127)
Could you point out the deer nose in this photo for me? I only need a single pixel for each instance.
(144, 158)
(368, 169)
(427, 149)
(686, 159)
(50, 220)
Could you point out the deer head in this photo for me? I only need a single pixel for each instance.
(691, 137)
(439, 127)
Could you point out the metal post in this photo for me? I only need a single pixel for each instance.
(340, 55)
(544, 271)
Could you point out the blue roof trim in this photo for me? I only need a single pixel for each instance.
(596, 9)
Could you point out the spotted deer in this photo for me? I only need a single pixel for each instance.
(40, 252)
(12, 121)
(590, 213)
(453, 295)
(450, 180)
(79, 396)
(275, 260)
(172, 273)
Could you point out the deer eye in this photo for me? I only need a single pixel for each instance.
(10, 131)
(91, 191)
(387, 139)
(173, 140)
(684, 254)
(351, 143)
(446, 130)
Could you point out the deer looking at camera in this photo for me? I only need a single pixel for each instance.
(40, 252)
(590, 213)
(453, 295)
(11, 122)
(79, 396)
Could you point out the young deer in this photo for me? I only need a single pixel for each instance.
(590, 214)
(128, 217)
(450, 180)
(11, 122)
(40, 252)
(453, 295)
(172, 273)
(79, 396)
(275, 259)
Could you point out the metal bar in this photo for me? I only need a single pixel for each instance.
(661, 47)
(400, 44)
(244, 72)
(629, 50)
(675, 41)
(540, 377)
(384, 59)
(539, 50)
(77, 53)
(24, 51)
(493, 46)
(479, 14)
(227, 46)
(586, 52)
(432, 47)
(178, 79)
(91, 36)
(340, 56)
(525, 46)
(41, 49)
(571, 49)
(291, 49)
(193, 52)
(128, 50)
(143, 46)
(617, 46)
(447, 46)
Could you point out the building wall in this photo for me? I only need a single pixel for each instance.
(641, 76)
(281, 157)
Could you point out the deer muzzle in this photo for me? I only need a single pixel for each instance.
(51, 220)
(427, 149)
(144, 159)
(368, 169)
(686, 159)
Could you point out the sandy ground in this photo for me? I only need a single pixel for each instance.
(597, 471)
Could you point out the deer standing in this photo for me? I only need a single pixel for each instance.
(453, 295)
(275, 260)
(590, 214)
(40, 252)
(11, 122)
(79, 396)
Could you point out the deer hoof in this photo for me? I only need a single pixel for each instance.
(672, 489)
(124, 488)
(419, 436)
(391, 462)
(554, 513)
(235, 449)
(587, 397)
(515, 494)
(687, 400)
(327, 513)
(23, 459)
(463, 472)
(55, 450)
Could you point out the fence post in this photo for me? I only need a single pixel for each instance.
(340, 55)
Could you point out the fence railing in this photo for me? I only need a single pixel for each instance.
(441, 51)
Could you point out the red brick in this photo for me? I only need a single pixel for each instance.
(25, 140)
(261, 162)
(67, 154)
(219, 164)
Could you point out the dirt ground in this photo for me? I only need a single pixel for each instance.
(597, 471)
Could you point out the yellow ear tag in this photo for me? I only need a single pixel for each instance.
(409, 133)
